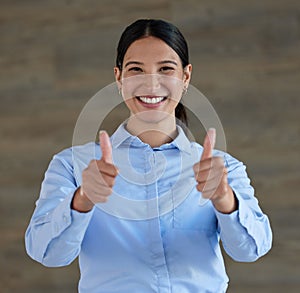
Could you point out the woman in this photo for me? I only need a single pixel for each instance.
(169, 243)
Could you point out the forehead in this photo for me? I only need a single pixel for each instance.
(150, 49)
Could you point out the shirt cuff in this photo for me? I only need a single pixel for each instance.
(239, 220)
(241, 223)
(227, 219)
(64, 217)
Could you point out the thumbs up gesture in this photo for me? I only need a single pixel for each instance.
(98, 178)
(211, 177)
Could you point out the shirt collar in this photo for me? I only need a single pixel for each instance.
(122, 137)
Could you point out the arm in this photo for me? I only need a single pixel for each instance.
(245, 233)
(55, 232)
(244, 229)
(64, 210)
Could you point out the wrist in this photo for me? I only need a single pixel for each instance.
(81, 202)
(227, 203)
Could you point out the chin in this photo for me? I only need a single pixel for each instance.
(152, 116)
(152, 119)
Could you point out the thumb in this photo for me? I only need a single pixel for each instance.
(105, 146)
(209, 143)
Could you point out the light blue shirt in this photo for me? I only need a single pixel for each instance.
(152, 235)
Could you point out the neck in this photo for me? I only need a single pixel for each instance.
(154, 134)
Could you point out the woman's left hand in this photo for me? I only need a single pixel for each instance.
(211, 177)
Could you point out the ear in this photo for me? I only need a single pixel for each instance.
(118, 75)
(187, 74)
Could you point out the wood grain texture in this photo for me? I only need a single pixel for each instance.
(55, 55)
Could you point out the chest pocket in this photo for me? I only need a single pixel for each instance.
(189, 215)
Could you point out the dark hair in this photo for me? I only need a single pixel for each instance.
(160, 29)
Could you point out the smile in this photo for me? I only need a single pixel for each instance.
(151, 100)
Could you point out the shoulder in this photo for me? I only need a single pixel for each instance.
(73, 160)
(80, 152)
(229, 160)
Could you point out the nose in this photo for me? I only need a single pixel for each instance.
(152, 81)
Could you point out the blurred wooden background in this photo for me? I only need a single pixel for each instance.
(55, 55)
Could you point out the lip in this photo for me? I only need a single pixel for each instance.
(151, 105)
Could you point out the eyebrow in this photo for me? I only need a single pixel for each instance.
(133, 62)
(141, 63)
(168, 61)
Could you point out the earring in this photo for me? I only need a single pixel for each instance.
(120, 91)
(184, 91)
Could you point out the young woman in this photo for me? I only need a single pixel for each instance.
(168, 242)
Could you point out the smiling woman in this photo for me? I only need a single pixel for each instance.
(175, 58)
(169, 243)
(153, 76)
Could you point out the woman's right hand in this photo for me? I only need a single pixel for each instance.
(98, 179)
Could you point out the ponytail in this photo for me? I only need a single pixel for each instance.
(180, 113)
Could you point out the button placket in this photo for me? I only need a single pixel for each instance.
(156, 245)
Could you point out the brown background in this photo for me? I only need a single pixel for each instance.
(55, 55)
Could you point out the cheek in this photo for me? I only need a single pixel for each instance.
(175, 88)
(130, 86)
(130, 104)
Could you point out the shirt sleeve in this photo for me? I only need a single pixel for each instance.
(246, 233)
(55, 232)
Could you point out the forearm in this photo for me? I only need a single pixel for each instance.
(54, 238)
(245, 235)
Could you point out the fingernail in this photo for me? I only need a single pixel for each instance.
(101, 132)
(212, 137)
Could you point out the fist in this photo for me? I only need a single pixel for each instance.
(211, 177)
(98, 179)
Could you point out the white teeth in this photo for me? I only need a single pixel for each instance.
(151, 100)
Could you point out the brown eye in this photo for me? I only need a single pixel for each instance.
(166, 69)
(135, 69)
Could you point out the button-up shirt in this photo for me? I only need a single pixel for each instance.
(154, 234)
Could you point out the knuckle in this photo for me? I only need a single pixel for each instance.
(111, 182)
(116, 172)
(108, 183)
(93, 162)
(199, 187)
(101, 176)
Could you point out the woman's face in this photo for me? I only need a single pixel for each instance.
(152, 79)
